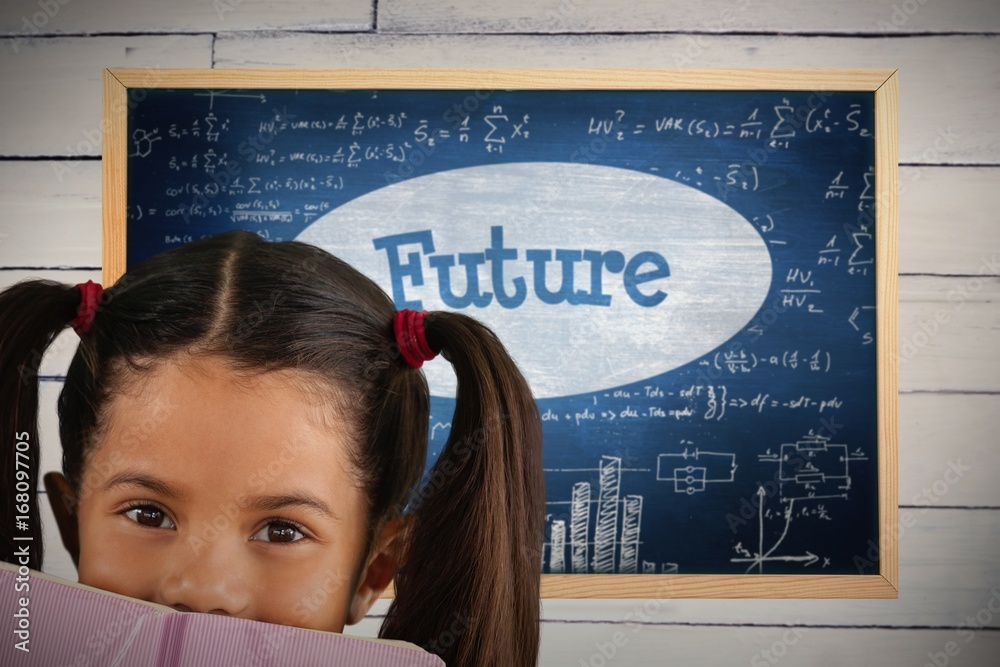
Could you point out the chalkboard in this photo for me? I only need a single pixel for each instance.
(695, 270)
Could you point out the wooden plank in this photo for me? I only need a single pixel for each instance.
(57, 106)
(39, 206)
(941, 434)
(880, 17)
(114, 177)
(886, 318)
(729, 586)
(947, 218)
(636, 644)
(935, 544)
(52, 213)
(933, 128)
(641, 642)
(642, 624)
(949, 330)
(960, 354)
(948, 566)
(31, 18)
(865, 79)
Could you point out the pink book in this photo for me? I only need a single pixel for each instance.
(50, 622)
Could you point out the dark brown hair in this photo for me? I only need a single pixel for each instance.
(468, 588)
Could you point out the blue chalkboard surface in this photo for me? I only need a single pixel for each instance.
(686, 277)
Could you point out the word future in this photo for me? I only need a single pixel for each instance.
(596, 261)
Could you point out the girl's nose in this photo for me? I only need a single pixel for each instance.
(206, 576)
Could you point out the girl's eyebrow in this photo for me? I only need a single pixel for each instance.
(293, 499)
(136, 478)
(268, 503)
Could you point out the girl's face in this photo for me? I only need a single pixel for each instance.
(212, 493)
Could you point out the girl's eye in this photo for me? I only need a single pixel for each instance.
(149, 515)
(279, 531)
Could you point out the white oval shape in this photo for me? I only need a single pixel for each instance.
(719, 266)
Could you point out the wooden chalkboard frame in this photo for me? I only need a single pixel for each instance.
(881, 82)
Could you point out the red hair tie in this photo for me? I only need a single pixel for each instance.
(90, 297)
(411, 337)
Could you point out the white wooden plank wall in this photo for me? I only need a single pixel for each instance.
(948, 55)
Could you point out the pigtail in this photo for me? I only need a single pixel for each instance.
(32, 313)
(469, 586)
